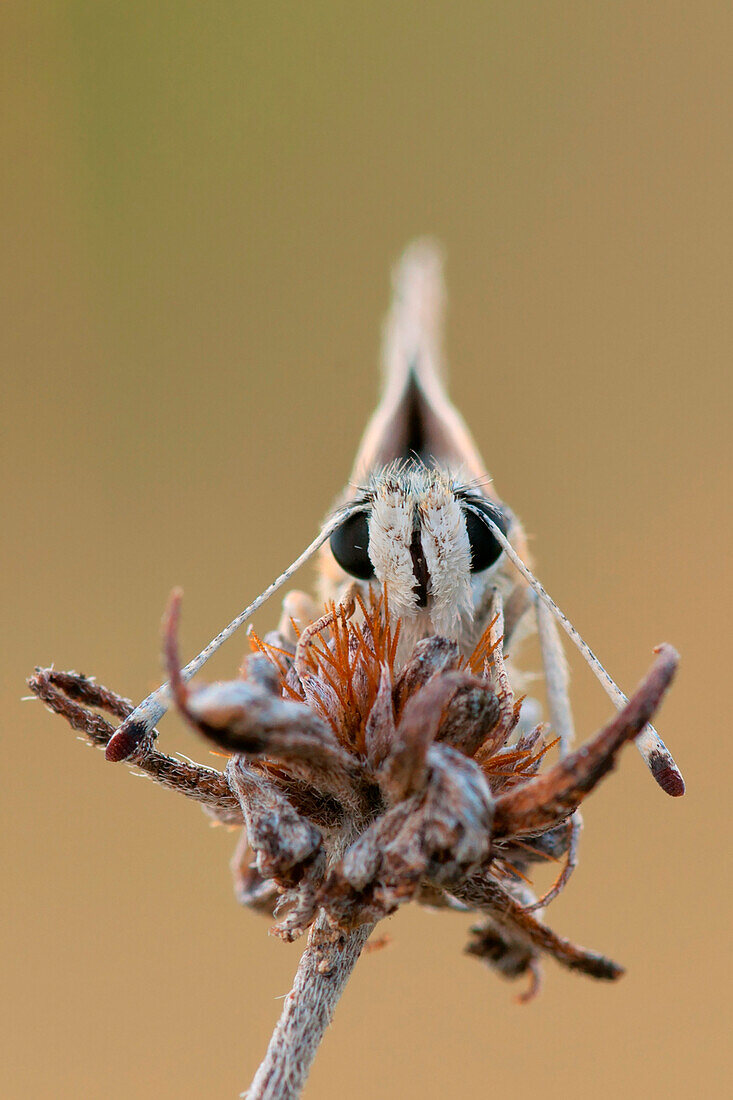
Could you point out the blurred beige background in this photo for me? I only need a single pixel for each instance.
(202, 205)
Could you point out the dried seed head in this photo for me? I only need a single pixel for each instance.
(363, 784)
(432, 794)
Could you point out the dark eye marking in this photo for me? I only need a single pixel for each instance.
(419, 569)
(350, 546)
(485, 547)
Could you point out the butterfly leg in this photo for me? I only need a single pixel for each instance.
(557, 680)
(299, 610)
(345, 609)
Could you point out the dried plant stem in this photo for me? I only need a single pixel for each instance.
(324, 970)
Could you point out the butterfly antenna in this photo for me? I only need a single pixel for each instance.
(145, 717)
(656, 755)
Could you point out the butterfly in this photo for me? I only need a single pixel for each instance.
(421, 523)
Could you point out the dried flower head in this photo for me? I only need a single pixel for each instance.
(363, 784)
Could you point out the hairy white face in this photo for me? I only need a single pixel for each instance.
(414, 531)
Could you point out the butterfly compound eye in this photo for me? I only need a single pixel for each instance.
(350, 546)
(485, 547)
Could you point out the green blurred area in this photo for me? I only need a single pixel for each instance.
(200, 207)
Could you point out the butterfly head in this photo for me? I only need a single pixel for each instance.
(418, 532)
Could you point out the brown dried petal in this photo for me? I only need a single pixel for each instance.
(484, 893)
(323, 810)
(361, 683)
(300, 903)
(438, 835)
(450, 831)
(354, 891)
(509, 955)
(259, 670)
(282, 840)
(551, 845)
(250, 888)
(435, 897)
(404, 772)
(243, 718)
(546, 800)
(322, 698)
(470, 718)
(379, 732)
(429, 656)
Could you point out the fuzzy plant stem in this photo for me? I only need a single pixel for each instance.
(323, 972)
